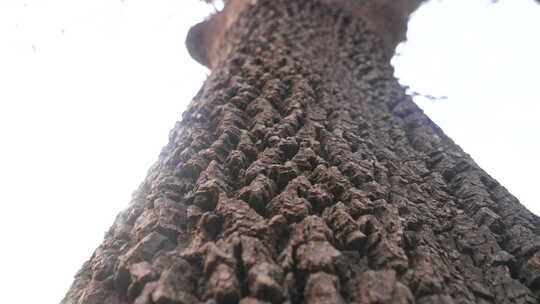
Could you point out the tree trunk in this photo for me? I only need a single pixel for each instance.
(302, 173)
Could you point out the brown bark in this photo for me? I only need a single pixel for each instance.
(302, 173)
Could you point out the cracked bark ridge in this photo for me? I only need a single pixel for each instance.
(302, 173)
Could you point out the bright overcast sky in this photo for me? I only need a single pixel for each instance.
(90, 89)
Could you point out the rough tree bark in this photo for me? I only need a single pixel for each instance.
(302, 173)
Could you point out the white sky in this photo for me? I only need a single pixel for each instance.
(90, 89)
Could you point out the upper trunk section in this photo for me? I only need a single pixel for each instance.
(208, 42)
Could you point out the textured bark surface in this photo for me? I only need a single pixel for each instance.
(302, 173)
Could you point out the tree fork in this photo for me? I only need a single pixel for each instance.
(303, 173)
